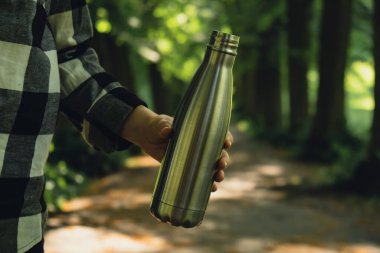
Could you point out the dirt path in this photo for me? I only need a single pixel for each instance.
(249, 213)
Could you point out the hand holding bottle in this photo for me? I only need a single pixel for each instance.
(152, 132)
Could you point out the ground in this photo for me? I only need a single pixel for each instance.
(253, 211)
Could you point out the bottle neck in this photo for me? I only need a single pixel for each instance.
(219, 57)
(222, 48)
(224, 42)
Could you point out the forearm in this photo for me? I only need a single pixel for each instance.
(134, 126)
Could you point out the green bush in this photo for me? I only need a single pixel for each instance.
(72, 164)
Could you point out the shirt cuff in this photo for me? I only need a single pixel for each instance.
(104, 120)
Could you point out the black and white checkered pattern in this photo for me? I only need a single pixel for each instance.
(46, 65)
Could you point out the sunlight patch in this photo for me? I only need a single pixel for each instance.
(87, 239)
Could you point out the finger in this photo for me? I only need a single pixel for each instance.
(214, 187)
(170, 119)
(165, 122)
(165, 126)
(219, 176)
(165, 133)
(224, 161)
(229, 140)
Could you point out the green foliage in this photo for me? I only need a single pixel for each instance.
(361, 42)
(172, 33)
(62, 183)
(344, 166)
(72, 164)
(70, 147)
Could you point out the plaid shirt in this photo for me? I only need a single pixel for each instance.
(46, 66)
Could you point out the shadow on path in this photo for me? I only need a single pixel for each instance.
(247, 214)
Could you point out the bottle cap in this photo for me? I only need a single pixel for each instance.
(224, 42)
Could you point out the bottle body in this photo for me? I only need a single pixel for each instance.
(186, 175)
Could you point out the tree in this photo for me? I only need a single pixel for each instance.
(374, 147)
(298, 15)
(329, 122)
(165, 99)
(367, 173)
(114, 58)
(267, 97)
(258, 89)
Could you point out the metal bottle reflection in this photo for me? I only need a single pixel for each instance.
(184, 182)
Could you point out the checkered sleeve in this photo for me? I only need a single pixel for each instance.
(91, 98)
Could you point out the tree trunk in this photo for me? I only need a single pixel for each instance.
(375, 132)
(244, 88)
(165, 100)
(298, 13)
(114, 58)
(367, 173)
(329, 122)
(267, 91)
(248, 92)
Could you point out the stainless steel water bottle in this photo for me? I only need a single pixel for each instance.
(186, 175)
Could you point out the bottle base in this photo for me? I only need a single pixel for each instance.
(176, 216)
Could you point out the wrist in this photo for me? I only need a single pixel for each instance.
(134, 125)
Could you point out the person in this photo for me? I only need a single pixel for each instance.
(46, 67)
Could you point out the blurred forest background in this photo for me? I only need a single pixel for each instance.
(305, 80)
